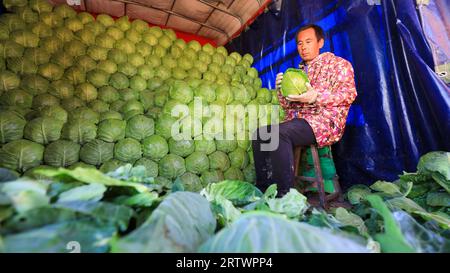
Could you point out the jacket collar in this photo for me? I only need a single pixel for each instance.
(316, 59)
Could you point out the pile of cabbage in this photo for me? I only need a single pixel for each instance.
(97, 92)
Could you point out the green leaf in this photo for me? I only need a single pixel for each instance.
(420, 238)
(238, 192)
(225, 211)
(293, 204)
(262, 232)
(351, 219)
(90, 236)
(357, 193)
(437, 165)
(88, 175)
(145, 199)
(405, 204)
(91, 192)
(36, 218)
(117, 214)
(442, 219)
(181, 223)
(392, 239)
(438, 199)
(387, 188)
(25, 194)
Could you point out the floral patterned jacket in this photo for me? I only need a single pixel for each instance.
(333, 78)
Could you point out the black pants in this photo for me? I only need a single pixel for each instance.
(277, 166)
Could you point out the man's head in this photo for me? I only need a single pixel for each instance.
(310, 40)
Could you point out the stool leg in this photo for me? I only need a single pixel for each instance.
(337, 188)
(320, 182)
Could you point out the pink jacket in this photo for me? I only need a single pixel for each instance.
(333, 78)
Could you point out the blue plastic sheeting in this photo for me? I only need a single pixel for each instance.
(402, 108)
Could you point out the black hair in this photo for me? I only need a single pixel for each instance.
(317, 29)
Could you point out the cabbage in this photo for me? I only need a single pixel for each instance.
(111, 130)
(211, 177)
(108, 94)
(249, 173)
(74, 24)
(43, 100)
(128, 94)
(85, 114)
(205, 146)
(149, 39)
(119, 80)
(8, 80)
(127, 150)
(105, 20)
(127, 69)
(226, 145)
(151, 167)
(137, 83)
(72, 103)
(182, 148)
(107, 66)
(139, 25)
(133, 35)
(206, 92)
(164, 126)
(61, 153)
(191, 182)
(123, 23)
(79, 130)
(111, 165)
(85, 17)
(115, 32)
(43, 130)
(140, 127)
(55, 112)
(143, 49)
(11, 126)
(219, 160)
(125, 45)
(197, 163)
(64, 34)
(21, 155)
(117, 56)
(238, 158)
(51, 19)
(132, 105)
(86, 63)
(40, 6)
(86, 36)
(63, 59)
(104, 40)
(99, 106)
(146, 72)
(171, 166)
(86, 91)
(51, 71)
(75, 75)
(21, 66)
(98, 77)
(233, 174)
(25, 38)
(110, 115)
(294, 82)
(95, 27)
(75, 48)
(61, 89)
(96, 152)
(155, 147)
(97, 53)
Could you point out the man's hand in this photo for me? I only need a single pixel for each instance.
(309, 96)
(278, 81)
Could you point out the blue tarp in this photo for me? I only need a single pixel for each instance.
(402, 108)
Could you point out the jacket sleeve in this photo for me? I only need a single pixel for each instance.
(342, 89)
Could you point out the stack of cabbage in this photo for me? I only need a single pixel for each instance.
(83, 91)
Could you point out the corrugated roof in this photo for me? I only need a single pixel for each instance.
(218, 20)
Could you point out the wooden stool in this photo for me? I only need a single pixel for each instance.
(323, 197)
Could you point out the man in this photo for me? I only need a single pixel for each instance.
(315, 117)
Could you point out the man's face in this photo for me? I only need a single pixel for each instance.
(308, 46)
